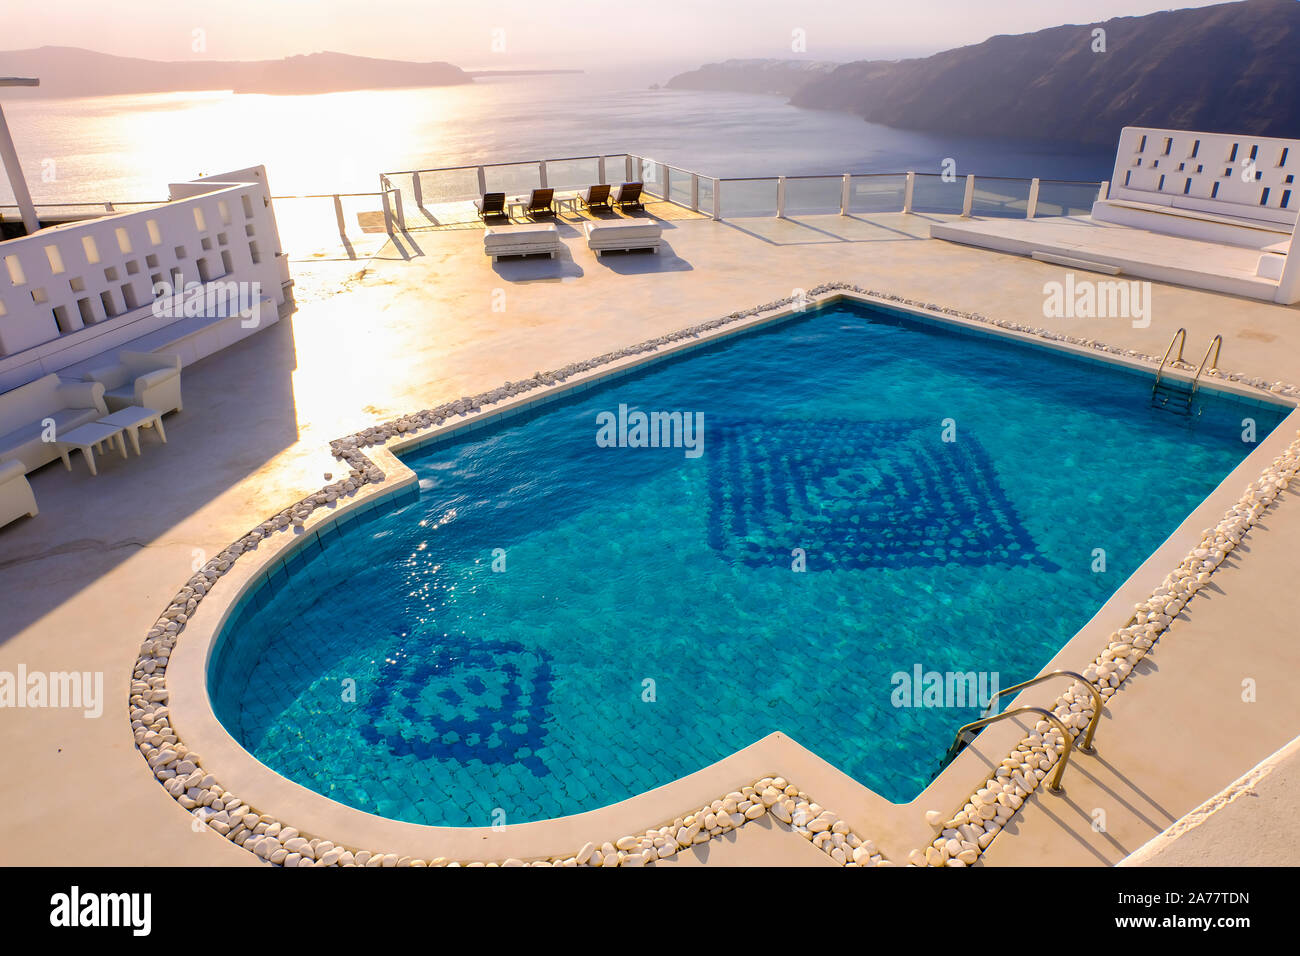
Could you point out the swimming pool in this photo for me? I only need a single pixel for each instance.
(552, 624)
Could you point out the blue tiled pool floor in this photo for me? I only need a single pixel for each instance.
(944, 496)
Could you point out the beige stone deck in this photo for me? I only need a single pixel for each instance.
(415, 325)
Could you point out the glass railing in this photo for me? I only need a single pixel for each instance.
(363, 214)
(572, 174)
(618, 169)
(446, 185)
(706, 195)
(999, 198)
(1060, 198)
(679, 186)
(877, 193)
(748, 197)
(933, 194)
(652, 176)
(992, 197)
(513, 179)
(812, 195)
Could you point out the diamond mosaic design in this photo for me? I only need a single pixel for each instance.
(859, 495)
(487, 703)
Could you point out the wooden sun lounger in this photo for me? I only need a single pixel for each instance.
(492, 204)
(629, 194)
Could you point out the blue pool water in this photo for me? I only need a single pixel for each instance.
(648, 620)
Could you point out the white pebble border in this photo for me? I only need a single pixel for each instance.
(961, 837)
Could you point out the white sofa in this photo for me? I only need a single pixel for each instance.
(16, 498)
(624, 235)
(145, 379)
(525, 239)
(24, 410)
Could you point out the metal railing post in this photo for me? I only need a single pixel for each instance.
(1031, 207)
(541, 173)
(419, 190)
(600, 170)
(780, 197)
(482, 180)
(401, 211)
(667, 176)
(968, 199)
(338, 214)
(846, 194)
(695, 191)
(907, 192)
(717, 200)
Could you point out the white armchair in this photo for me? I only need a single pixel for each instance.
(16, 498)
(146, 379)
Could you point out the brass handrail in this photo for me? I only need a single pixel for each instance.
(1215, 345)
(1097, 702)
(1180, 337)
(1067, 738)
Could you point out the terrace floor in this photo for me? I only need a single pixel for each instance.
(385, 328)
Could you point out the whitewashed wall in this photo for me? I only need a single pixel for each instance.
(1204, 171)
(71, 292)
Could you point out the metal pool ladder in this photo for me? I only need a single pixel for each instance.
(964, 735)
(1174, 395)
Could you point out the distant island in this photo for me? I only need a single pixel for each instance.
(69, 71)
(783, 77)
(1232, 67)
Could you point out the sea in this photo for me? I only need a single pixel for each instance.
(128, 148)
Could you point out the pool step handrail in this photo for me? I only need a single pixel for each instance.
(1067, 738)
(1098, 702)
(1179, 339)
(1216, 344)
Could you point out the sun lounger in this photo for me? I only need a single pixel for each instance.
(595, 197)
(492, 204)
(628, 194)
(540, 203)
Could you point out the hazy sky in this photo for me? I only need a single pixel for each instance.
(578, 33)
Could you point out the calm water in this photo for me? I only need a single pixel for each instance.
(127, 148)
(648, 621)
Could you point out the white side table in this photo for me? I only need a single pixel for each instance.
(132, 418)
(87, 438)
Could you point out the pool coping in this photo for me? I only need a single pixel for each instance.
(895, 828)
